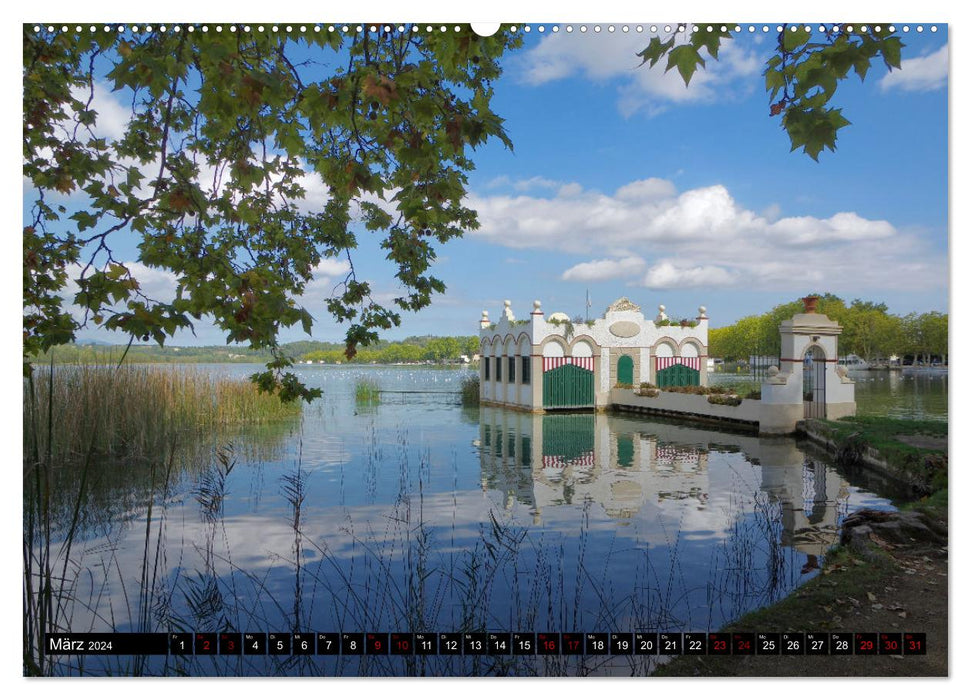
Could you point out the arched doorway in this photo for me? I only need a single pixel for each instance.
(814, 382)
(625, 370)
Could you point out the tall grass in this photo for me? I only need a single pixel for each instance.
(128, 411)
(366, 391)
(470, 390)
(79, 418)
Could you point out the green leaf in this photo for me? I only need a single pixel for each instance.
(687, 59)
(890, 49)
(794, 37)
(655, 49)
(710, 40)
(774, 81)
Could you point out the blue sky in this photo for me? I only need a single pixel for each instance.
(625, 183)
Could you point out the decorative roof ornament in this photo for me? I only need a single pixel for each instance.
(661, 316)
(623, 304)
(507, 311)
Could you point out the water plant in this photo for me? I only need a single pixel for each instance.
(366, 391)
(470, 390)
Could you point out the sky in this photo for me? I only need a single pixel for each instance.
(624, 182)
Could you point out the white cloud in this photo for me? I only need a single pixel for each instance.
(703, 237)
(668, 275)
(113, 116)
(919, 74)
(331, 267)
(601, 270)
(601, 57)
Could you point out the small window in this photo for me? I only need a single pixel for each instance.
(498, 369)
(524, 372)
(512, 371)
(486, 368)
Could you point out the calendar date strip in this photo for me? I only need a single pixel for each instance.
(488, 643)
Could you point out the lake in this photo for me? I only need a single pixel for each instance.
(414, 514)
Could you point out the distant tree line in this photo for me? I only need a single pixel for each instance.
(869, 331)
(436, 349)
(415, 349)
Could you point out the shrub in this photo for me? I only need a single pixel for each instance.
(650, 393)
(698, 390)
(647, 385)
(722, 400)
(621, 385)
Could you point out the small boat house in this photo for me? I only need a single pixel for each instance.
(541, 363)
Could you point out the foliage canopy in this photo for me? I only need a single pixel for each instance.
(208, 175)
(805, 71)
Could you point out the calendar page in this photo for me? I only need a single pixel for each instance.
(360, 349)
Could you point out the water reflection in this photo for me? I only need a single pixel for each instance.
(542, 461)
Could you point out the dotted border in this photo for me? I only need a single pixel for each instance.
(442, 28)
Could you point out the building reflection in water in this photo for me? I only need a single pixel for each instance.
(547, 460)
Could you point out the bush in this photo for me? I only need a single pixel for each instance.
(722, 400)
(697, 390)
(620, 385)
(647, 385)
(651, 393)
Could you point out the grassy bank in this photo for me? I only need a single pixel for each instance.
(898, 592)
(132, 411)
(911, 451)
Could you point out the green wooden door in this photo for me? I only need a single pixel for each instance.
(567, 386)
(625, 370)
(678, 375)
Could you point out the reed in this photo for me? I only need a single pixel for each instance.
(470, 390)
(133, 411)
(366, 391)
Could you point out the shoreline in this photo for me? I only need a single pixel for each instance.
(889, 574)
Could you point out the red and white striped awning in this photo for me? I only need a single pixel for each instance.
(557, 462)
(665, 362)
(669, 453)
(554, 362)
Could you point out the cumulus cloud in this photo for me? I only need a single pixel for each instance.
(113, 116)
(600, 270)
(657, 237)
(602, 56)
(668, 275)
(920, 74)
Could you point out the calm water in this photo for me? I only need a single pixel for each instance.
(416, 515)
(900, 394)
